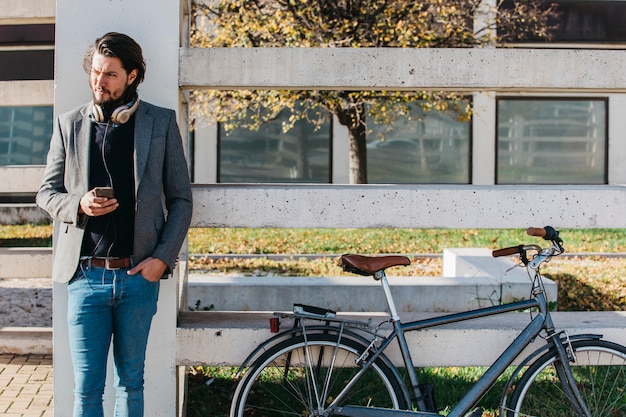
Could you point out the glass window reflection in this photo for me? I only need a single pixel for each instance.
(430, 147)
(584, 21)
(301, 155)
(25, 134)
(551, 141)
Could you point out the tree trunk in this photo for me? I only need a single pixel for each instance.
(354, 120)
(358, 155)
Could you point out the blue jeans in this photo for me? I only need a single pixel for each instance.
(105, 305)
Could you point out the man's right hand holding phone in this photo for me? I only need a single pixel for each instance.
(95, 203)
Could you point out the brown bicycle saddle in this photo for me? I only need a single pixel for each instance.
(369, 265)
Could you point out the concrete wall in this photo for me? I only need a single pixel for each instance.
(155, 26)
(431, 206)
(27, 93)
(27, 11)
(449, 69)
(201, 339)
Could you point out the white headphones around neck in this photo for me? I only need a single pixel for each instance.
(120, 115)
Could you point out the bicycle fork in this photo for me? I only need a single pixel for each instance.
(565, 374)
(565, 356)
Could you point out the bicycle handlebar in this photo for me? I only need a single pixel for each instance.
(536, 231)
(547, 233)
(513, 250)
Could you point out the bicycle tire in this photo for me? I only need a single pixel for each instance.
(265, 391)
(600, 374)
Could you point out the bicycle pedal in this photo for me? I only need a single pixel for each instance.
(476, 413)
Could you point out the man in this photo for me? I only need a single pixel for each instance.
(116, 184)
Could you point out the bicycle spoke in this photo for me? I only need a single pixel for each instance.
(319, 368)
(600, 375)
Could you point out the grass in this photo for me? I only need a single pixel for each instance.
(213, 399)
(587, 282)
(332, 241)
(38, 235)
(421, 241)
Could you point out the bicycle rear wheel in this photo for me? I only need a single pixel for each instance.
(600, 374)
(301, 378)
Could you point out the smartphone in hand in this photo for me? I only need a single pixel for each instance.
(104, 192)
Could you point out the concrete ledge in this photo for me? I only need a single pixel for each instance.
(472, 279)
(22, 213)
(21, 179)
(405, 206)
(25, 340)
(27, 11)
(452, 69)
(226, 338)
(25, 262)
(219, 338)
(411, 294)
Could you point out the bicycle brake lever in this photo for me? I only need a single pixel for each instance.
(512, 268)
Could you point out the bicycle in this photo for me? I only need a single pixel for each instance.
(326, 366)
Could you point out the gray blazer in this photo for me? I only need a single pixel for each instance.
(162, 190)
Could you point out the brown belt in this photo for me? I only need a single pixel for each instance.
(107, 263)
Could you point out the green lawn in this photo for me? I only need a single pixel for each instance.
(588, 282)
(330, 241)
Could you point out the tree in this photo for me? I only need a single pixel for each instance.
(351, 23)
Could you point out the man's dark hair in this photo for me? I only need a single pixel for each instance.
(118, 45)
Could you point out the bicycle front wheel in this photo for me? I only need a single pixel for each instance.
(599, 372)
(301, 377)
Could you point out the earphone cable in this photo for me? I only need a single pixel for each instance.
(104, 161)
(110, 177)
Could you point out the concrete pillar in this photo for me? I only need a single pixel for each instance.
(484, 138)
(341, 153)
(617, 139)
(155, 25)
(205, 153)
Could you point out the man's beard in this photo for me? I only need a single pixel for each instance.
(111, 104)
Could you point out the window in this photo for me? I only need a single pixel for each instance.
(25, 135)
(26, 52)
(27, 35)
(433, 147)
(587, 21)
(302, 155)
(26, 65)
(547, 141)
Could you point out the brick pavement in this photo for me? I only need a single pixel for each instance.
(26, 385)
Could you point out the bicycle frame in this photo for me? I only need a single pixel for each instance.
(482, 385)
(541, 321)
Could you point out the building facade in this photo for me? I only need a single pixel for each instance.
(515, 137)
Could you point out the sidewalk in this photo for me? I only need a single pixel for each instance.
(26, 385)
